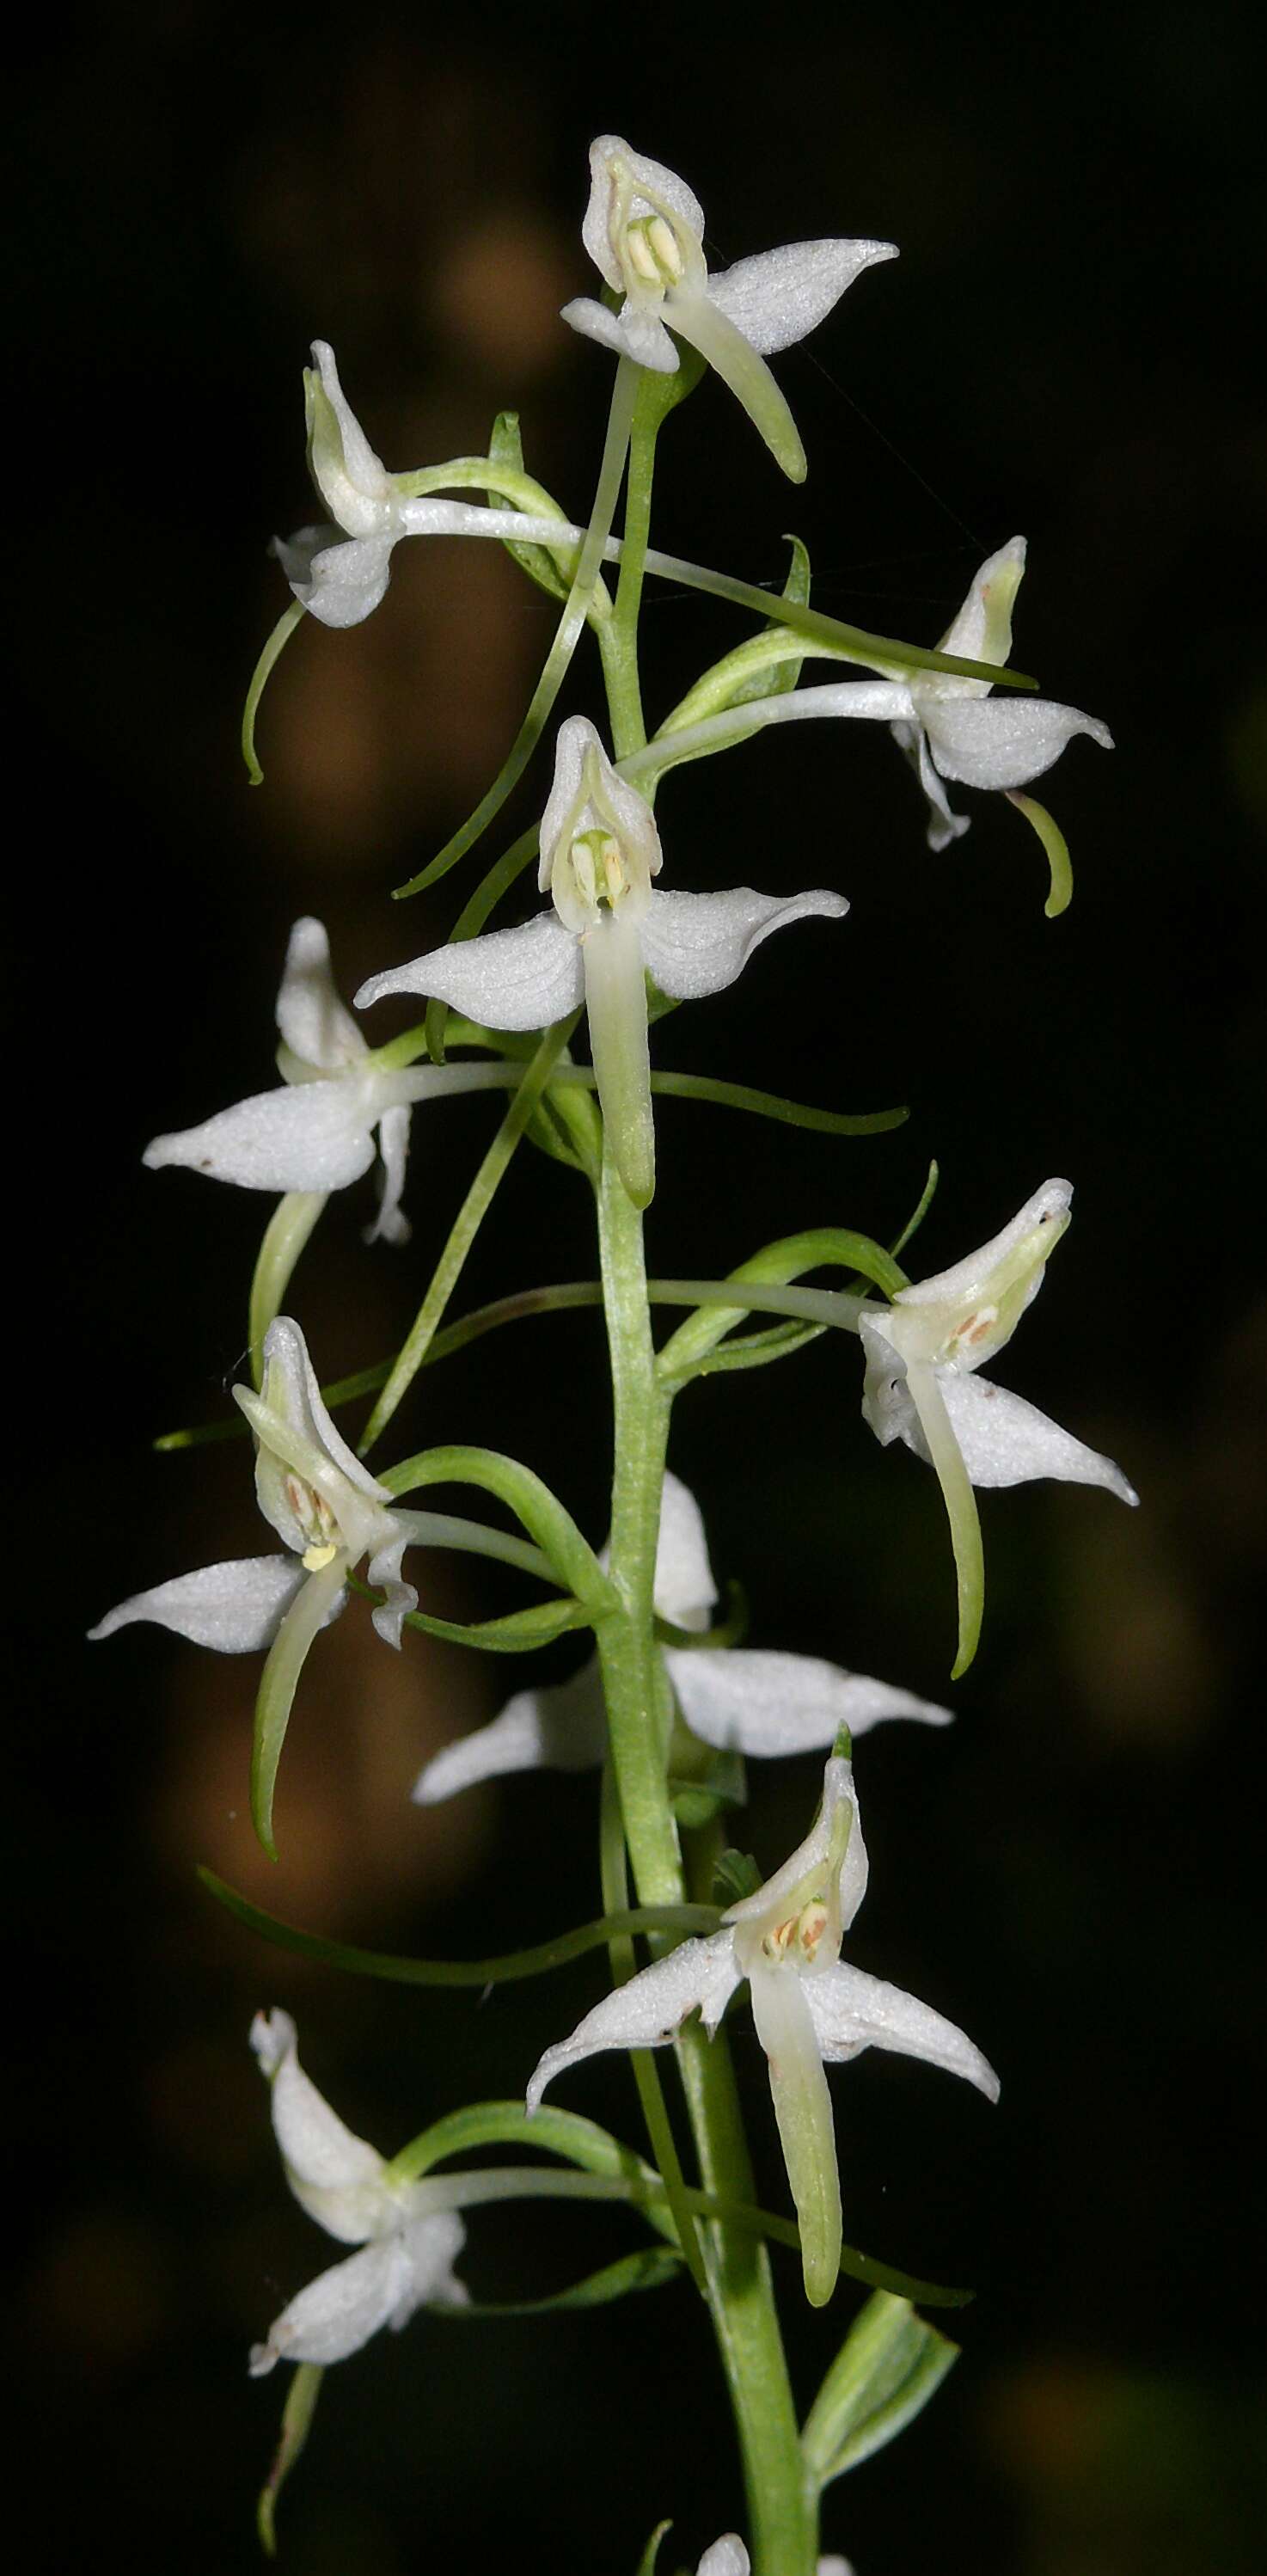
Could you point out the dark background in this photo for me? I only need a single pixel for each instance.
(1068, 347)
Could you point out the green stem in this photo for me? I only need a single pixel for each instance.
(619, 638)
(466, 1226)
(740, 2290)
(576, 610)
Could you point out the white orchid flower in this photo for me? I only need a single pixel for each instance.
(324, 1505)
(737, 1699)
(599, 852)
(808, 2006)
(340, 570)
(329, 1513)
(954, 729)
(922, 1357)
(316, 1131)
(644, 230)
(728, 2557)
(409, 2242)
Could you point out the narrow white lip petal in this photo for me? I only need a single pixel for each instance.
(852, 2011)
(616, 1007)
(696, 318)
(970, 1279)
(235, 1608)
(342, 2308)
(1005, 1441)
(782, 295)
(508, 979)
(684, 1588)
(391, 1225)
(1003, 742)
(314, 1136)
(311, 1014)
(432, 2244)
(744, 1700)
(338, 584)
(650, 2010)
(802, 2110)
(632, 333)
(562, 1728)
(334, 2175)
(726, 2557)
(700, 943)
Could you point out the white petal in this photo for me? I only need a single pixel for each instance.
(944, 825)
(1002, 742)
(382, 2285)
(699, 943)
(236, 1608)
(632, 333)
(335, 2176)
(384, 1568)
(727, 2557)
(852, 2011)
(311, 1015)
(563, 1728)
(509, 979)
(654, 187)
(391, 1225)
(780, 296)
(746, 1701)
(339, 584)
(316, 1136)
(1006, 1441)
(650, 2009)
(684, 1588)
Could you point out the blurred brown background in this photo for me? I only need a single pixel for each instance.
(1068, 347)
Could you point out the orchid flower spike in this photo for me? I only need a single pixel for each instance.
(329, 1513)
(340, 569)
(599, 852)
(922, 1354)
(409, 2239)
(734, 1698)
(316, 1131)
(808, 2006)
(644, 229)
